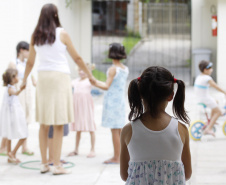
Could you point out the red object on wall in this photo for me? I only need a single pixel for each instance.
(214, 25)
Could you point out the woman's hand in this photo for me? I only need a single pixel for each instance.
(33, 81)
(93, 80)
(23, 85)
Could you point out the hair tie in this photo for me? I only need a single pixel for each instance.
(175, 80)
(139, 78)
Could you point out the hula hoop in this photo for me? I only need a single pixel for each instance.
(23, 165)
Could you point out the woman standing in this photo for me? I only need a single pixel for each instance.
(53, 97)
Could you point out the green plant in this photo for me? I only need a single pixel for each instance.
(188, 62)
(68, 3)
(99, 75)
(129, 43)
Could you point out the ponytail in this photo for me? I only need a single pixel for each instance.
(178, 102)
(135, 103)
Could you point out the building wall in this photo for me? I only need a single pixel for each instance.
(19, 18)
(221, 42)
(201, 30)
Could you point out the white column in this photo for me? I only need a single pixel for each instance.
(221, 42)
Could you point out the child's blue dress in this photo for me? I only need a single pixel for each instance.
(114, 101)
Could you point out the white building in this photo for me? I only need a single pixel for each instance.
(19, 18)
(202, 34)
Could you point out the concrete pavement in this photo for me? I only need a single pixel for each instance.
(208, 157)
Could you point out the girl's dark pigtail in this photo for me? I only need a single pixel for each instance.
(135, 103)
(178, 102)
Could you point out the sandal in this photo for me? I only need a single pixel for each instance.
(44, 168)
(28, 152)
(74, 153)
(59, 170)
(3, 154)
(12, 159)
(61, 161)
(110, 161)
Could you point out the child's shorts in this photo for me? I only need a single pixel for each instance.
(66, 131)
(209, 102)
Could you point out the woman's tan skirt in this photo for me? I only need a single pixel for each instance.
(54, 103)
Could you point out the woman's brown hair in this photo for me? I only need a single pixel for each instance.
(45, 31)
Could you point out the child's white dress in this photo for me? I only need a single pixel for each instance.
(12, 117)
(155, 156)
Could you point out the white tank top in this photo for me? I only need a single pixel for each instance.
(53, 57)
(146, 145)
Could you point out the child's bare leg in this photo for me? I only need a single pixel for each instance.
(78, 138)
(9, 153)
(92, 151)
(116, 145)
(8, 146)
(19, 143)
(77, 141)
(3, 147)
(43, 142)
(216, 113)
(25, 149)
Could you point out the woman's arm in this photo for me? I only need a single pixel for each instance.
(126, 135)
(186, 154)
(65, 38)
(214, 85)
(107, 84)
(30, 63)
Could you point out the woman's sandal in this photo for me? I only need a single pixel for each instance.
(59, 170)
(61, 161)
(44, 168)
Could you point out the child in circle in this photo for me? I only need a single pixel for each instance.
(12, 117)
(114, 113)
(155, 146)
(26, 97)
(201, 86)
(83, 111)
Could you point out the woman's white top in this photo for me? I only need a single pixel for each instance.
(155, 156)
(52, 57)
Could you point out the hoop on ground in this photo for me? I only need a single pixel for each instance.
(26, 165)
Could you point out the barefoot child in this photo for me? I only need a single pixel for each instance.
(202, 83)
(83, 111)
(12, 117)
(113, 115)
(155, 146)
